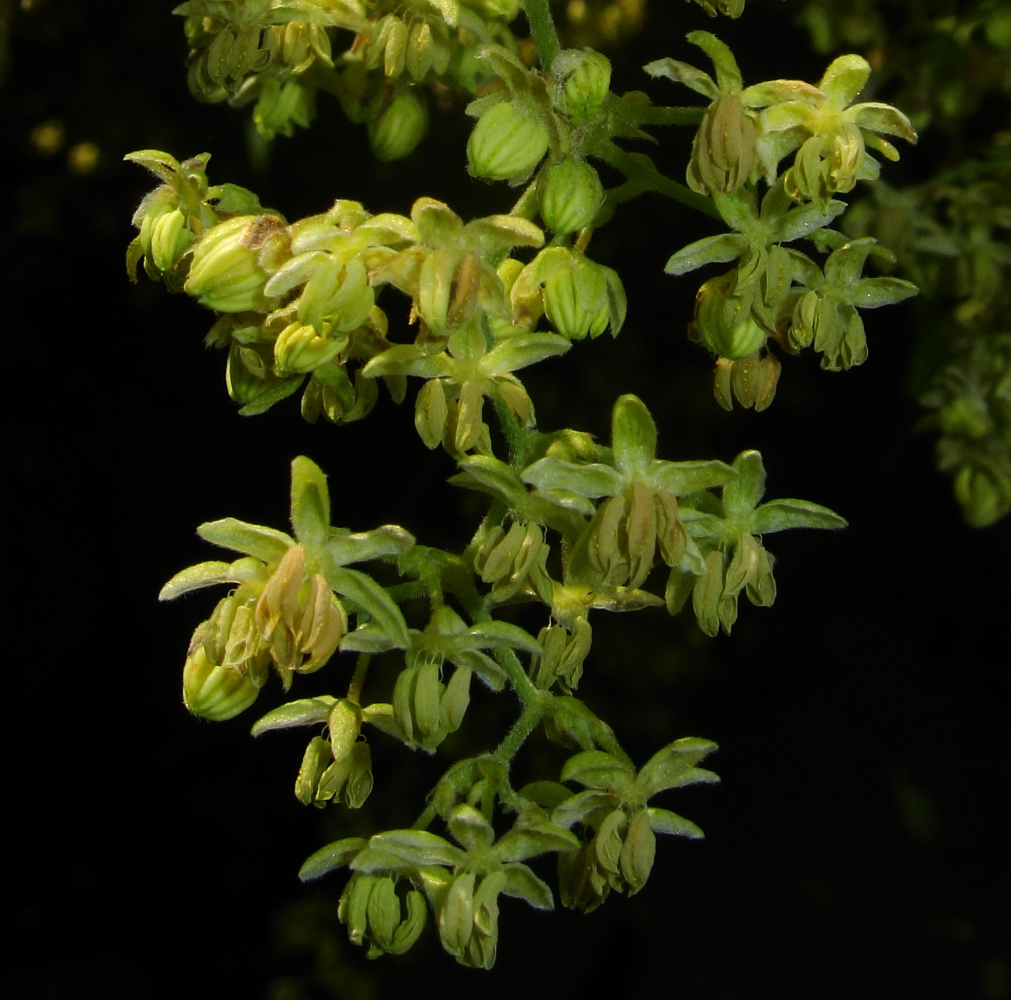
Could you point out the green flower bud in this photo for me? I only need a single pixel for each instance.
(300, 349)
(723, 151)
(507, 143)
(637, 852)
(228, 272)
(723, 321)
(571, 195)
(575, 299)
(215, 692)
(169, 239)
(582, 80)
(400, 127)
(344, 723)
(430, 412)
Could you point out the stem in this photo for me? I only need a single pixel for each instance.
(640, 169)
(358, 678)
(516, 737)
(669, 116)
(542, 28)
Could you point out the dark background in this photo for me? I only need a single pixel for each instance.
(855, 847)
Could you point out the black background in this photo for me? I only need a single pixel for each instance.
(855, 847)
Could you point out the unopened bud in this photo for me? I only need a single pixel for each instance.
(571, 196)
(215, 692)
(507, 142)
(582, 81)
(400, 127)
(724, 322)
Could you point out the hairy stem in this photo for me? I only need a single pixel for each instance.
(542, 28)
(517, 736)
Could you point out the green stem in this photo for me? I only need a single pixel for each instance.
(542, 28)
(640, 169)
(358, 678)
(669, 116)
(517, 736)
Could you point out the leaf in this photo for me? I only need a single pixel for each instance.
(417, 847)
(683, 478)
(367, 638)
(528, 841)
(741, 496)
(264, 401)
(326, 859)
(844, 79)
(590, 480)
(728, 76)
(310, 503)
(711, 250)
(162, 165)
(679, 72)
(374, 599)
(665, 821)
(303, 712)
(633, 435)
(779, 515)
(499, 634)
(870, 293)
(522, 350)
(580, 807)
(387, 540)
(207, 574)
(799, 222)
(263, 543)
(598, 769)
(522, 883)
(674, 767)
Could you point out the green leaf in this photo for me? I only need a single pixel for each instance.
(522, 350)
(417, 847)
(679, 72)
(207, 574)
(590, 480)
(674, 767)
(469, 828)
(711, 250)
(303, 712)
(597, 769)
(374, 599)
(779, 515)
(683, 478)
(528, 841)
(522, 883)
(741, 496)
(281, 390)
(310, 503)
(665, 821)
(326, 859)
(367, 638)
(387, 540)
(870, 293)
(499, 635)
(800, 222)
(728, 76)
(263, 543)
(633, 435)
